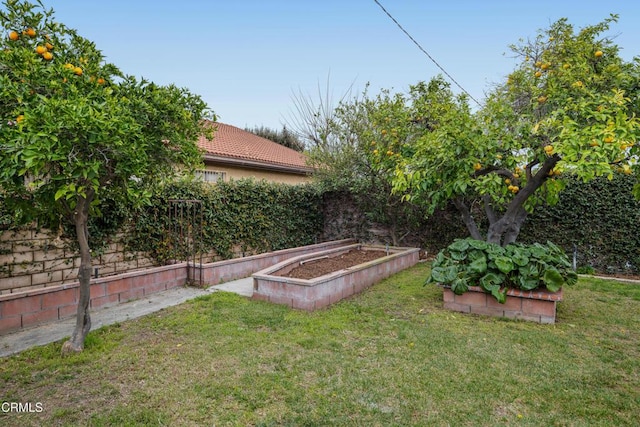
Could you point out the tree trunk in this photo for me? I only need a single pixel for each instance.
(506, 229)
(75, 343)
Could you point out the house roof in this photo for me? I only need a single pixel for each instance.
(239, 147)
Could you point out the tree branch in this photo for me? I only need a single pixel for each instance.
(489, 210)
(467, 218)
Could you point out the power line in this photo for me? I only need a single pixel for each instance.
(426, 53)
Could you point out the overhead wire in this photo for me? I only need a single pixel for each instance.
(426, 53)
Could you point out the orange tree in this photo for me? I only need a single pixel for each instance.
(568, 108)
(74, 130)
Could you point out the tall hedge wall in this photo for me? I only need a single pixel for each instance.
(246, 216)
(601, 217)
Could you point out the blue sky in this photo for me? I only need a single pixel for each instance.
(246, 58)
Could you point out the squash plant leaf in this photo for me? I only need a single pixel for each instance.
(504, 264)
(552, 279)
(478, 267)
(499, 294)
(489, 280)
(459, 286)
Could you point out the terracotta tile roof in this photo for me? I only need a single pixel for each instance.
(236, 144)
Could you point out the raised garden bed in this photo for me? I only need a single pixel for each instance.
(273, 284)
(319, 266)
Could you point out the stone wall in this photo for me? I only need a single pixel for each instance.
(31, 259)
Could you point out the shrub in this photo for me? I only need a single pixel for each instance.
(468, 262)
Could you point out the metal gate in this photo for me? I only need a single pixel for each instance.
(185, 236)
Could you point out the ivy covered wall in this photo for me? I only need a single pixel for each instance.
(238, 218)
(601, 218)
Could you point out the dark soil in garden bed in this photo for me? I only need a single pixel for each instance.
(320, 267)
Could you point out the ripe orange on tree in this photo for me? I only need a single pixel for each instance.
(30, 32)
(77, 71)
(47, 56)
(598, 53)
(40, 49)
(13, 36)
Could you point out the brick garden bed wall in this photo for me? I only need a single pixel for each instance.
(536, 306)
(29, 308)
(320, 292)
(33, 260)
(35, 306)
(237, 268)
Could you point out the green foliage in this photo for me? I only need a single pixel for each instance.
(601, 218)
(567, 109)
(284, 137)
(75, 128)
(470, 262)
(359, 158)
(247, 216)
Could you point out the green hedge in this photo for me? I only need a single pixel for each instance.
(601, 218)
(244, 215)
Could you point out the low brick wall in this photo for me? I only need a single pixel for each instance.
(318, 293)
(537, 306)
(24, 309)
(35, 306)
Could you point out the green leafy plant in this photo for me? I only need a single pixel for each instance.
(471, 262)
(246, 215)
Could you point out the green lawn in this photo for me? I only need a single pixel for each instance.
(390, 356)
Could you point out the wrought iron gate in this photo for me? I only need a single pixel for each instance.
(185, 236)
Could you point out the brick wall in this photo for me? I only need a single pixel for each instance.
(28, 308)
(44, 304)
(536, 306)
(320, 292)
